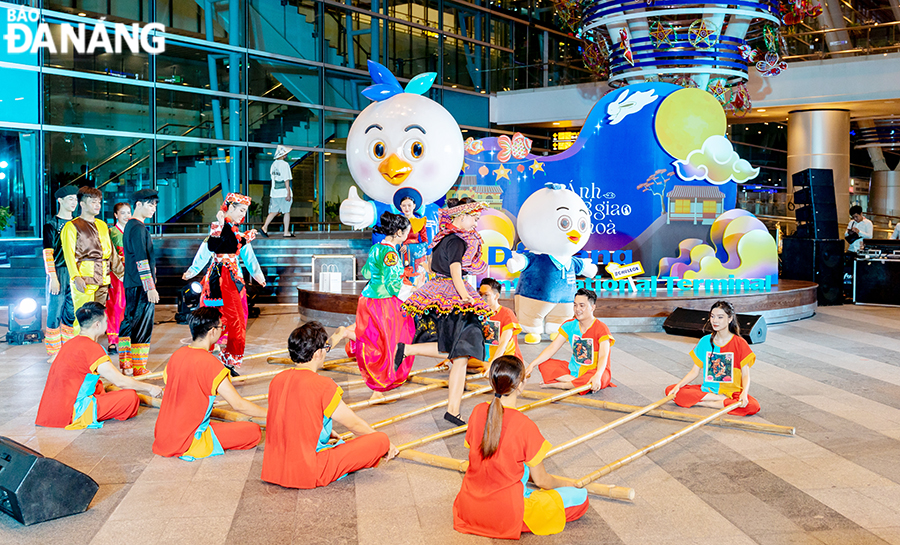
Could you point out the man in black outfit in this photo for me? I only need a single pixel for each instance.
(140, 286)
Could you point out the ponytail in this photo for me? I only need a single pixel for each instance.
(507, 372)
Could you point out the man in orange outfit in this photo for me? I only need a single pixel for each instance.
(302, 405)
(193, 379)
(73, 395)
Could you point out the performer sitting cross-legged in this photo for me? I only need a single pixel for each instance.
(506, 449)
(73, 396)
(500, 330)
(725, 358)
(193, 379)
(302, 405)
(591, 343)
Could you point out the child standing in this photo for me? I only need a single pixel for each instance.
(727, 351)
(506, 449)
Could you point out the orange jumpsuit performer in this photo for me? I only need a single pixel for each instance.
(193, 379)
(74, 397)
(299, 452)
(505, 450)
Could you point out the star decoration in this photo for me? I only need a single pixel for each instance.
(535, 167)
(702, 34)
(501, 172)
(465, 166)
(661, 34)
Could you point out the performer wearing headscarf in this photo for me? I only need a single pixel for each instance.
(448, 311)
(223, 285)
(60, 309)
(414, 250)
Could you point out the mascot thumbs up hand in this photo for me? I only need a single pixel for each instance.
(516, 263)
(356, 212)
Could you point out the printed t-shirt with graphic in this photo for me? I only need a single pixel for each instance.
(298, 425)
(493, 500)
(192, 378)
(721, 365)
(69, 399)
(502, 320)
(585, 345)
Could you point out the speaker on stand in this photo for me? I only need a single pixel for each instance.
(688, 322)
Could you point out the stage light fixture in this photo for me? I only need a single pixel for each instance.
(25, 323)
(188, 301)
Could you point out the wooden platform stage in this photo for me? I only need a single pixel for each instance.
(789, 300)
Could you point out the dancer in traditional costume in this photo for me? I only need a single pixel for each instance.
(380, 321)
(501, 329)
(89, 253)
(223, 285)
(506, 450)
(74, 397)
(414, 250)
(140, 286)
(725, 359)
(193, 379)
(115, 302)
(299, 452)
(448, 311)
(60, 308)
(591, 342)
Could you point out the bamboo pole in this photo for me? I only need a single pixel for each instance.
(593, 476)
(395, 396)
(242, 378)
(603, 429)
(150, 376)
(221, 414)
(464, 427)
(604, 490)
(669, 415)
(420, 410)
(265, 354)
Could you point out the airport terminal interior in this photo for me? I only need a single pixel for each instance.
(666, 231)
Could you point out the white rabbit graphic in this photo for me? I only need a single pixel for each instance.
(622, 107)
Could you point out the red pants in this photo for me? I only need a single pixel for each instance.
(691, 394)
(119, 405)
(236, 435)
(234, 318)
(115, 309)
(572, 513)
(360, 453)
(552, 369)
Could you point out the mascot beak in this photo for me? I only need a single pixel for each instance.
(574, 236)
(394, 169)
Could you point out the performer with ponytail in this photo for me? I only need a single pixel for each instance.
(725, 358)
(506, 450)
(223, 285)
(115, 302)
(380, 321)
(449, 312)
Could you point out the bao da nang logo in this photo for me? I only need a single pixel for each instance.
(25, 33)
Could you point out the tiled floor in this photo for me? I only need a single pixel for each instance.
(835, 377)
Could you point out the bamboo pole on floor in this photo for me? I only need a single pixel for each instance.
(604, 490)
(594, 475)
(669, 415)
(603, 429)
(265, 354)
(242, 378)
(221, 414)
(420, 410)
(464, 427)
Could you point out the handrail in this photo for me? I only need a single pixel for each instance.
(844, 29)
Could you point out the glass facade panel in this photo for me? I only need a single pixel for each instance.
(290, 27)
(337, 126)
(79, 102)
(351, 37)
(305, 171)
(198, 116)
(337, 180)
(271, 123)
(423, 12)
(412, 51)
(222, 23)
(20, 189)
(128, 65)
(342, 89)
(126, 10)
(283, 81)
(464, 65)
(215, 70)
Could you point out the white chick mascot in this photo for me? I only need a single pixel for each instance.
(401, 144)
(554, 224)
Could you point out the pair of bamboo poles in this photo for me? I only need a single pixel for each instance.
(407, 452)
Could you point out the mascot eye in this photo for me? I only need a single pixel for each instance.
(583, 225)
(378, 150)
(564, 223)
(417, 150)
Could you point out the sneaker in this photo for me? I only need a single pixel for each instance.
(455, 420)
(112, 349)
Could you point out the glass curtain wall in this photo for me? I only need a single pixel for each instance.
(236, 79)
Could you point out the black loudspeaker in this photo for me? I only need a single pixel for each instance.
(34, 489)
(819, 261)
(690, 323)
(815, 206)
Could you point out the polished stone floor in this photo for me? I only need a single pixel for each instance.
(835, 377)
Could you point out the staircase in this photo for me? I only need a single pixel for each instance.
(285, 262)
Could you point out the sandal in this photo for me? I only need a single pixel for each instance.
(399, 356)
(455, 420)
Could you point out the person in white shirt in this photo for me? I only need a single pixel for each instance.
(282, 196)
(860, 226)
